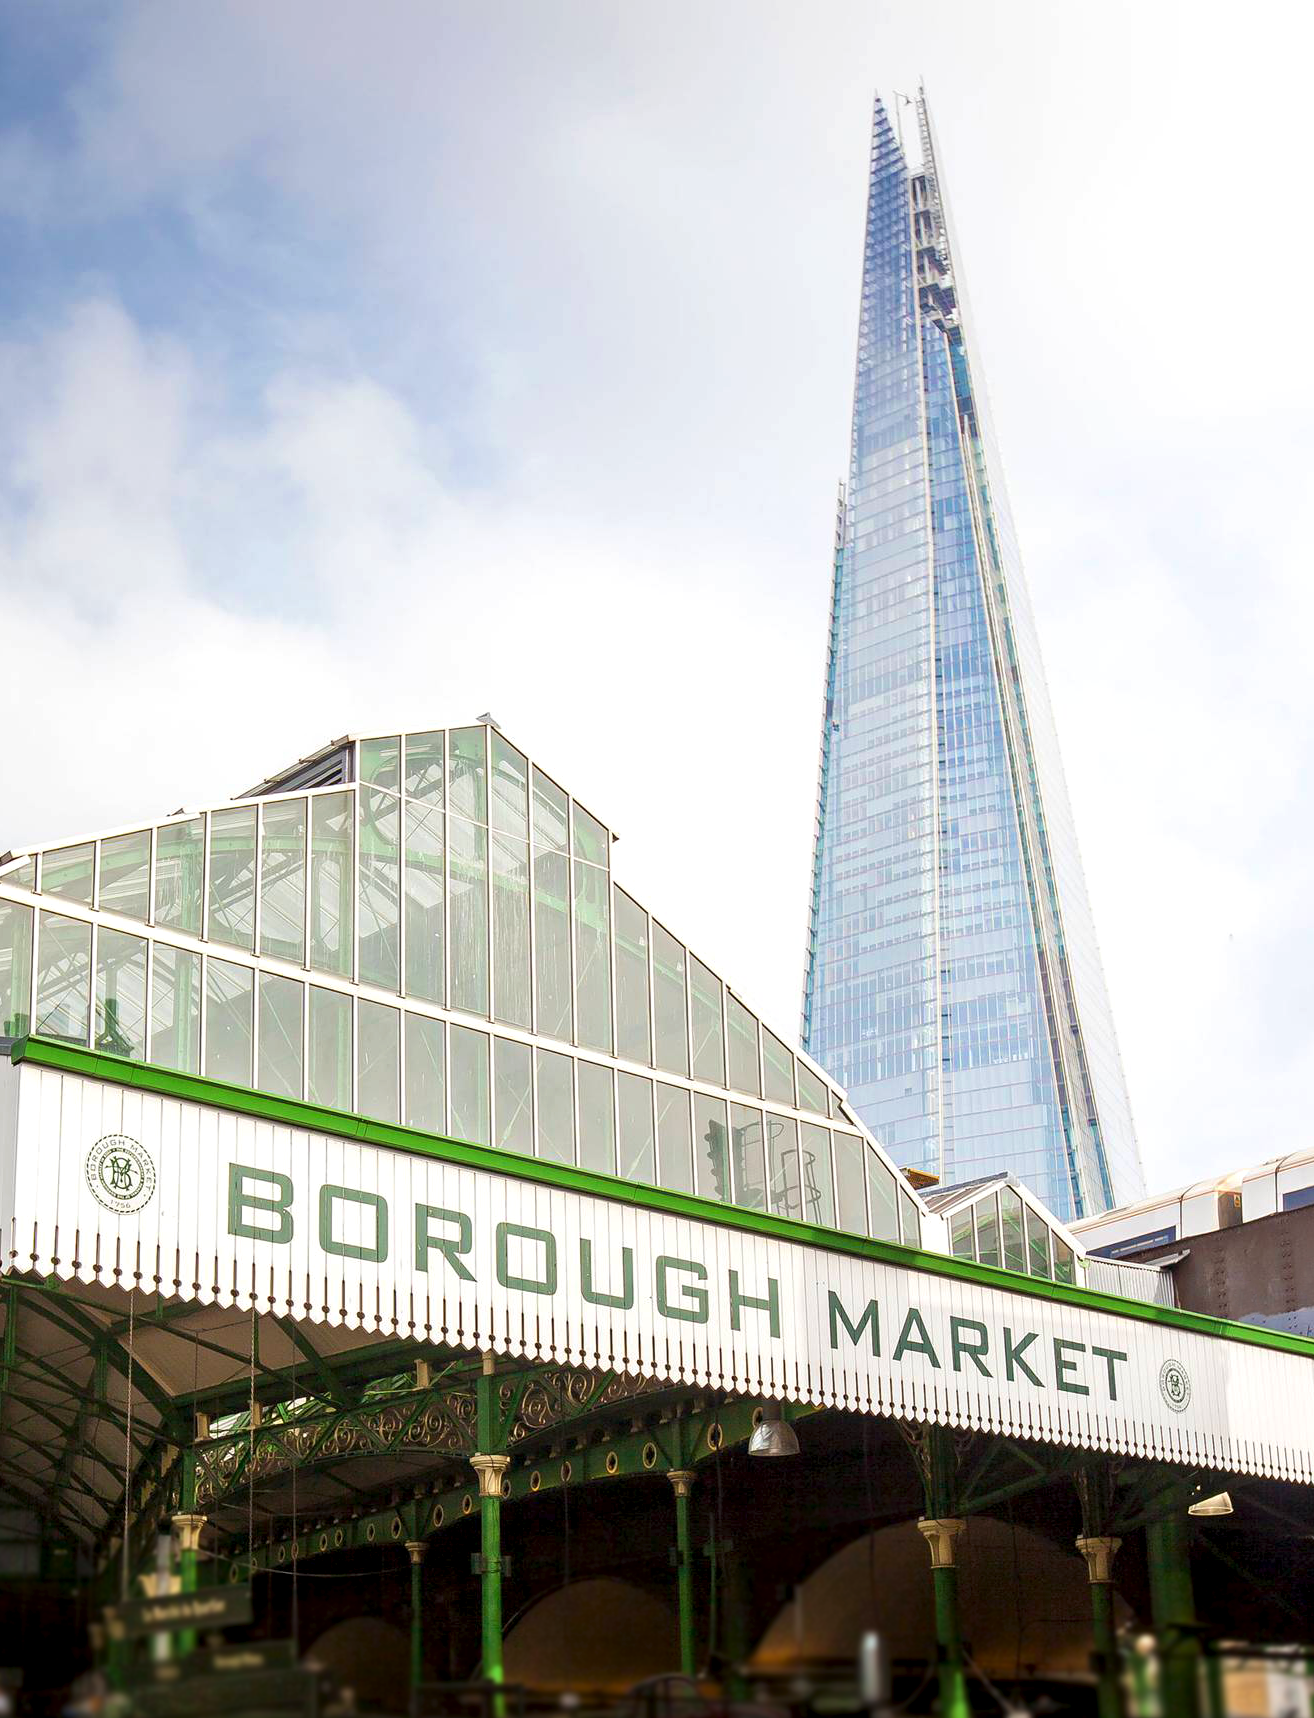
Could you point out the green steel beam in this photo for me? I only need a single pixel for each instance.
(241, 1100)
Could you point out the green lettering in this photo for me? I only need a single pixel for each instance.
(695, 1312)
(547, 1283)
(452, 1248)
(921, 1344)
(975, 1351)
(870, 1320)
(1108, 1356)
(1013, 1352)
(1063, 1366)
(770, 1305)
(241, 1200)
(329, 1196)
(622, 1301)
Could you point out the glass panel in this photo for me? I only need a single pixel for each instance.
(22, 876)
(597, 1120)
(426, 1074)
(633, 1025)
(590, 837)
(229, 1007)
(987, 1230)
(556, 1107)
(330, 1049)
(1065, 1267)
(674, 1145)
(125, 875)
(468, 882)
(777, 1070)
(69, 872)
(331, 903)
(380, 888)
(1014, 1243)
(15, 969)
(468, 1079)
(818, 1193)
(711, 1158)
(424, 766)
(467, 787)
(961, 1243)
(670, 1019)
(551, 814)
(592, 963)
(910, 1219)
(811, 1090)
(882, 1200)
(637, 1161)
(552, 944)
(705, 1021)
(1037, 1244)
(511, 930)
(850, 1191)
(279, 1040)
(175, 1008)
(513, 1097)
(179, 865)
(121, 994)
(380, 763)
(283, 879)
(378, 1059)
(424, 902)
(747, 1157)
(744, 1075)
(787, 1170)
(232, 876)
(63, 980)
(510, 789)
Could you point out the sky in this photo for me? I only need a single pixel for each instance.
(380, 366)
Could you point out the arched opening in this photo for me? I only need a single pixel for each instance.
(1025, 1604)
(603, 1634)
(368, 1656)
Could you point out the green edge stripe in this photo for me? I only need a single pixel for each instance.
(293, 1112)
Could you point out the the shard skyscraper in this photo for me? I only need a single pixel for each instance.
(953, 980)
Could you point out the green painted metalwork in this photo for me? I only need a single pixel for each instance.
(939, 1464)
(684, 1578)
(1172, 1601)
(243, 1101)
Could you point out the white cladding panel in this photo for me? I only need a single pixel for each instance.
(543, 1272)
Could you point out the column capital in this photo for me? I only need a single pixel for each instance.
(939, 1533)
(188, 1528)
(682, 1478)
(1099, 1550)
(416, 1549)
(490, 1470)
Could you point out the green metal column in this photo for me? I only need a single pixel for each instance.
(490, 1466)
(415, 1549)
(187, 1526)
(1172, 1602)
(1099, 1547)
(1214, 1686)
(682, 1480)
(940, 1528)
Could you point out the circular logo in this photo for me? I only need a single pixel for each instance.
(1174, 1385)
(120, 1173)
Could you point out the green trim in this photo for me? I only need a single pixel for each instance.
(292, 1112)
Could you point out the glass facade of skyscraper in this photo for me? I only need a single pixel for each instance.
(953, 981)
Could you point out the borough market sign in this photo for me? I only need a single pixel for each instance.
(186, 1195)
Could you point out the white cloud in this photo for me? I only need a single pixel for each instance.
(501, 359)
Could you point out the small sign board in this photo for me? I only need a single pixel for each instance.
(214, 1608)
(240, 1658)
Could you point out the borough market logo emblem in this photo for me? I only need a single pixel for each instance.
(120, 1173)
(1174, 1385)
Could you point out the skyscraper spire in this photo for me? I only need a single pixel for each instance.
(953, 982)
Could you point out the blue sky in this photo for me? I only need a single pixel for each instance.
(390, 364)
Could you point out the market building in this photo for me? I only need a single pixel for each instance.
(413, 1252)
